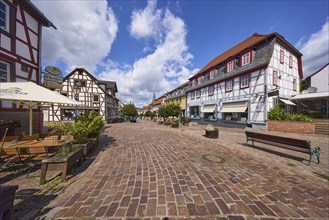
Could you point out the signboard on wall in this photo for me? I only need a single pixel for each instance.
(52, 78)
(274, 93)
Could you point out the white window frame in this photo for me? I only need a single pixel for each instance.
(290, 61)
(228, 85)
(246, 58)
(199, 80)
(194, 82)
(198, 93)
(192, 95)
(294, 84)
(281, 56)
(96, 94)
(7, 70)
(7, 16)
(244, 81)
(275, 78)
(212, 74)
(230, 66)
(211, 90)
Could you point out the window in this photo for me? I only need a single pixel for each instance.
(4, 71)
(275, 78)
(194, 112)
(281, 56)
(83, 83)
(198, 93)
(294, 84)
(194, 82)
(4, 16)
(244, 81)
(246, 58)
(192, 95)
(77, 83)
(230, 66)
(200, 80)
(211, 90)
(211, 74)
(229, 85)
(76, 97)
(96, 98)
(64, 93)
(24, 68)
(290, 61)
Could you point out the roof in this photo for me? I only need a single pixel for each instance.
(316, 95)
(109, 84)
(33, 10)
(245, 45)
(317, 71)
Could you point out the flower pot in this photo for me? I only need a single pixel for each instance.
(212, 134)
(7, 195)
(174, 125)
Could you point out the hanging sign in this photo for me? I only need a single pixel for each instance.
(52, 78)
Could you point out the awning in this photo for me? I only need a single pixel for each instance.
(310, 96)
(208, 109)
(234, 107)
(288, 102)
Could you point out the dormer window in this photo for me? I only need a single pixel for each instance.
(230, 66)
(246, 58)
(212, 74)
(194, 82)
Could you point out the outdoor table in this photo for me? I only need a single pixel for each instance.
(17, 144)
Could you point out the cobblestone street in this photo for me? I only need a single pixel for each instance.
(150, 171)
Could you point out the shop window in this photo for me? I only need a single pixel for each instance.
(195, 112)
(236, 116)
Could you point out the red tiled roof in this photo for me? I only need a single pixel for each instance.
(247, 43)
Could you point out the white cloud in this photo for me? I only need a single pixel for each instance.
(85, 32)
(161, 70)
(315, 50)
(144, 22)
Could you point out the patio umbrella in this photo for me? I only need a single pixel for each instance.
(31, 94)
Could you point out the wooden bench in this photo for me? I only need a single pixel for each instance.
(302, 146)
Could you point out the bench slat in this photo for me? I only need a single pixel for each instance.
(303, 150)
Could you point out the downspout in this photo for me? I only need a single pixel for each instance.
(30, 118)
(265, 97)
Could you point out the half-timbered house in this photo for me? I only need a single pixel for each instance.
(177, 96)
(93, 94)
(240, 85)
(20, 53)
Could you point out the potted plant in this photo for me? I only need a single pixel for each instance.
(211, 132)
(175, 123)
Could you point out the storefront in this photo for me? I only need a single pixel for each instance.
(209, 112)
(235, 111)
(195, 112)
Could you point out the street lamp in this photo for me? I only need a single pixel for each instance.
(76, 91)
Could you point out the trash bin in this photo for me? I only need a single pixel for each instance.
(7, 195)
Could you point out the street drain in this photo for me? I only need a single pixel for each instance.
(213, 158)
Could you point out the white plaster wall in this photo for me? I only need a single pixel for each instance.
(321, 80)
(18, 13)
(34, 39)
(20, 32)
(22, 50)
(31, 22)
(5, 42)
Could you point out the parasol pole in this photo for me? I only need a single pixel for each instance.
(30, 118)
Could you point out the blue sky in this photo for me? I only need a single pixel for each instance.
(154, 46)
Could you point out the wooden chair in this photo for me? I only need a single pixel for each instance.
(12, 158)
(37, 154)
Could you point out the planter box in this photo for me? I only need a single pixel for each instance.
(60, 164)
(7, 195)
(86, 147)
(212, 134)
(291, 126)
(174, 125)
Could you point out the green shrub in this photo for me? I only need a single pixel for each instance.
(275, 114)
(211, 128)
(297, 117)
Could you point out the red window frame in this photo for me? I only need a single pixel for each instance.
(250, 58)
(275, 78)
(281, 56)
(242, 77)
(228, 64)
(228, 90)
(211, 93)
(290, 61)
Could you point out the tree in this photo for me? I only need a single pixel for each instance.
(129, 110)
(173, 109)
(303, 85)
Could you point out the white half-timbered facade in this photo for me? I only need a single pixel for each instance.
(241, 85)
(20, 53)
(93, 94)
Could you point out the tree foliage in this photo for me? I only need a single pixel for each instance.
(303, 85)
(173, 109)
(129, 110)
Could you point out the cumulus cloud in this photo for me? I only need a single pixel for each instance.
(85, 32)
(144, 22)
(315, 50)
(159, 71)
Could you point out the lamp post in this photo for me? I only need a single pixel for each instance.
(76, 91)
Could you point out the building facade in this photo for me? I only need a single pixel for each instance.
(92, 93)
(239, 86)
(20, 53)
(177, 95)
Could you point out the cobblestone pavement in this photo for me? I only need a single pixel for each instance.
(150, 171)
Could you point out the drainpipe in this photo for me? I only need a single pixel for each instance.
(265, 97)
